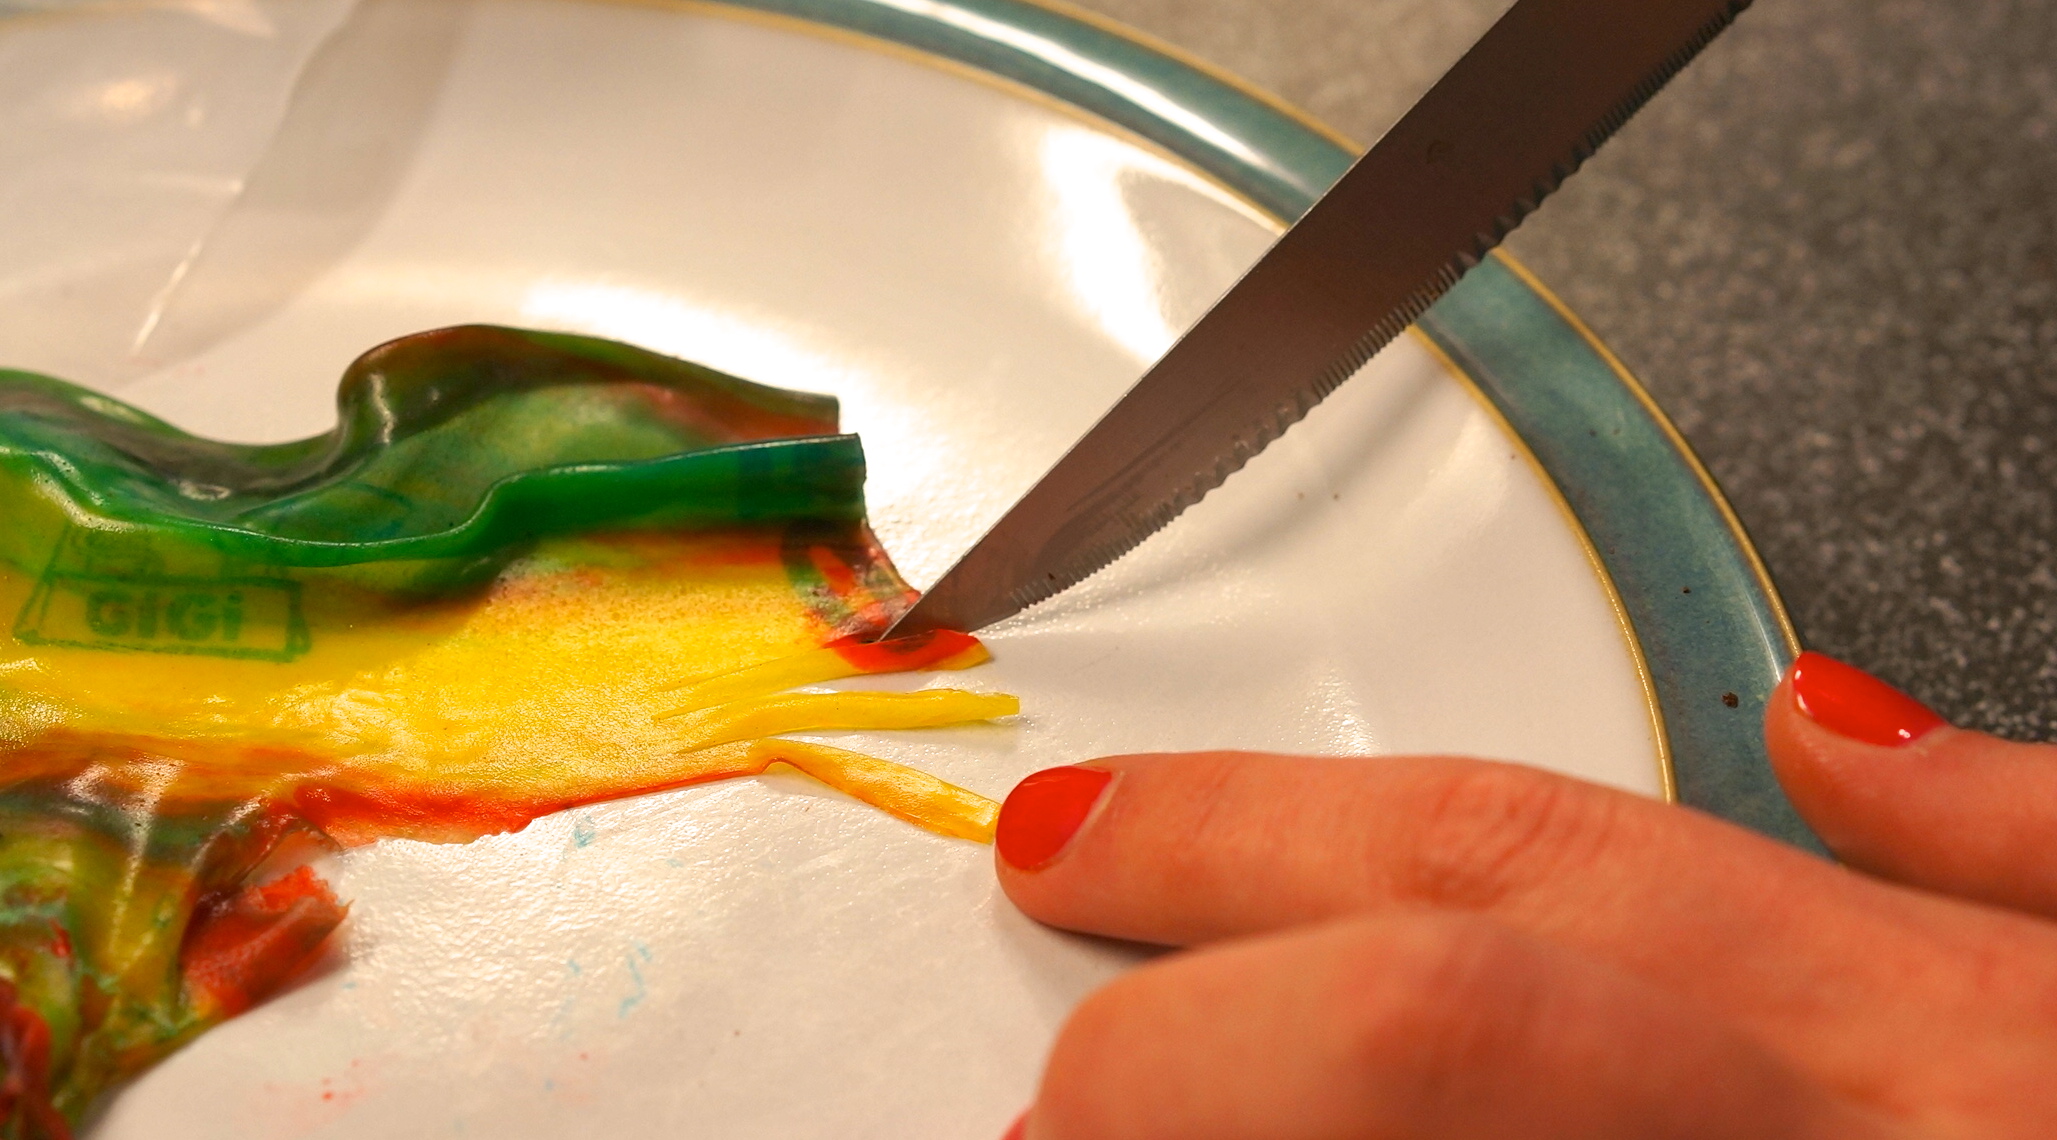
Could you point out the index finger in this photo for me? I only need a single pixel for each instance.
(1183, 849)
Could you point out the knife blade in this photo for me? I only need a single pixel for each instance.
(1516, 116)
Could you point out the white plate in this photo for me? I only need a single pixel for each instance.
(977, 271)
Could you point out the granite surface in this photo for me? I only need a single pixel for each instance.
(1830, 250)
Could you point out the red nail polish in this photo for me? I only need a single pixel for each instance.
(1019, 1129)
(1043, 812)
(1850, 702)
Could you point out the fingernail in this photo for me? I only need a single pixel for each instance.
(1019, 1128)
(1043, 812)
(1850, 702)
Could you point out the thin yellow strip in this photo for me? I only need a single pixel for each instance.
(815, 712)
(897, 790)
(906, 793)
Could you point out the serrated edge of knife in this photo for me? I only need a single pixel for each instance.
(1247, 445)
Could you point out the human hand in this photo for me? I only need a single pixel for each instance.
(1415, 947)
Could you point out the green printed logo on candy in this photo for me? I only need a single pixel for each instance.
(115, 596)
(234, 617)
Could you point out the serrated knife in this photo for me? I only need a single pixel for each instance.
(1519, 112)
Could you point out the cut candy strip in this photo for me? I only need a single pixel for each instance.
(908, 793)
(815, 712)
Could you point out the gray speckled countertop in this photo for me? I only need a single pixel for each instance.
(1830, 250)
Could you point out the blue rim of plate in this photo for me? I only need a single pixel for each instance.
(1713, 635)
